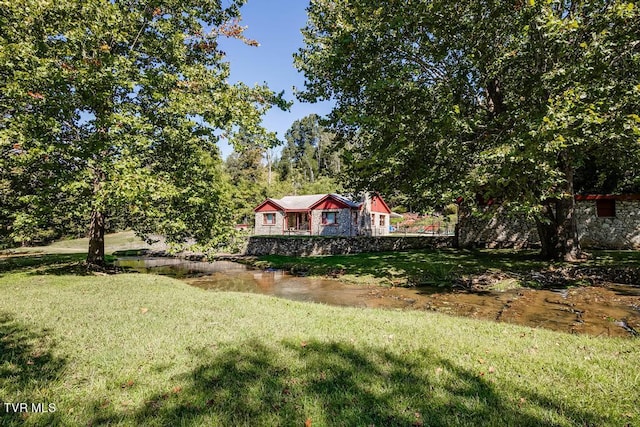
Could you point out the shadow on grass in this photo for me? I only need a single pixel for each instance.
(441, 267)
(52, 264)
(44, 263)
(432, 266)
(27, 368)
(338, 384)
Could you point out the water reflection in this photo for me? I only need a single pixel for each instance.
(609, 311)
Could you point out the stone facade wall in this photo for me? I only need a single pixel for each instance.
(377, 229)
(344, 227)
(619, 232)
(301, 246)
(502, 231)
(497, 231)
(268, 230)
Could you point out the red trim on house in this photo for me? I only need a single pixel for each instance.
(378, 205)
(268, 206)
(622, 197)
(328, 202)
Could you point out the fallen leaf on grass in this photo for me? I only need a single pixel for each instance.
(143, 310)
(128, 384)
(491, 369)
(307, 422)
(177, 389)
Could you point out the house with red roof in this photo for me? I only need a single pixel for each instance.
(323, 215)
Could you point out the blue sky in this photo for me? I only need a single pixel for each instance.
(276, 25)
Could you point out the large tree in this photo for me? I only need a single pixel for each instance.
(251, 178)
(310, 152)
(114, 107)
(508, 100)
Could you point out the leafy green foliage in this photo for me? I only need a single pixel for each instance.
(310, 154)
(114, 108)
(309, 163)
(457, 99)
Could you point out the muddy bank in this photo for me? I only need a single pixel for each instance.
(611, 310)
(607, 310)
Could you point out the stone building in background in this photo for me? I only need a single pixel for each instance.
(323, 215)
(604, 222)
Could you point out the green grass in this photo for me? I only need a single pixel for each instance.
(149, 350)
(122, 241)
(433, 267)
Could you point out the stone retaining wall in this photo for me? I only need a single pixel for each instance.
(307, 246)
(504, 231)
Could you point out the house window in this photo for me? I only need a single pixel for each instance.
(383, 220)
(606, 208)
(329, 218)
(269, 219)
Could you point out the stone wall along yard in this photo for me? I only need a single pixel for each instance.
(308, 246)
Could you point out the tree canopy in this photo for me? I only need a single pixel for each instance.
(507, 100)
(309, 163)
(310, 152)
(113, 109)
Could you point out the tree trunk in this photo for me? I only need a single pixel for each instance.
(97, 226)
(547, 231)
(96, 239)
(567, 230)
(559, 230)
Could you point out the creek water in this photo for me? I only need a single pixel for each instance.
(611, 310)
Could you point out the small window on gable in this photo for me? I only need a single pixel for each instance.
(329, 218)
(606, 208)
(269, 219)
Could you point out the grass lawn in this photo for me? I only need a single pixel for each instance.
(434, 267)
(122, 241)
(148, 350)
